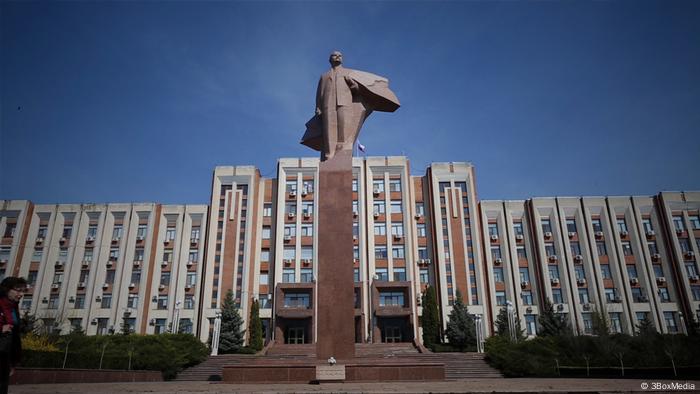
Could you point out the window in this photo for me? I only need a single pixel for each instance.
(398, 252)
(420, 230)
(307, 208)
(546, 226)
(526, 296)
(307, 186)
(442, 186)
(641, 316)
(378, 185)
(165, 278)
(265, 255)
(289, 254)
(114, 254)
(684, 244)
(549, 249)
(290, 208)
(400, 274)
(191, 279)
(53, 301)
(354, 185)
(664, 295)
(31, 277)
(587, 323)
(658, 271)
(615, 322)
(379, 207)
(185, 326)
(138, 254)
(63, 255)
(670, 318)
(396, 207)
(420, 210)
(132, 301)
(290, 230)
(288, 275)
(307, 230)
(571, 225)
(42, 231)
(531, 324)
(575, 249)
(557, 297)
(696, 292)
(690, 269)
(622, 225)
(637, 294)
(162, 302)
(583, 296)
(382, 274)
(626, 248)
(580, 272)
(646, 223)
(265, 302)
(422, 252)
(380, 252)
(553, 272)
(67, 230)
(291, 186)
(36, 255)
(605, 271)
(106, 301)
(610, 295)
(678, 223)
(79, 301)
(500, 298)
(597, 226)
(266, 232)
(694, 222)
(602, 250)
(170, 233)
(264, 278)
(517, 228)
(424, 276)
(117, 231)
(307, 275)
(159, 326)
(189, 302)
(102, 325)
(632, 271)
(495, 252)
(652, 247)
(267, 209)
(109, 276)
(380, 229)
(92, 231)
(397, 229)
(498, 274)
(394, 185)
(297, 300)
(356, 274)
(493, 229)
(520, 249)
(524, 275)
(391, 298)
(168, 256)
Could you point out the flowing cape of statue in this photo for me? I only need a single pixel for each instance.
(375, 94)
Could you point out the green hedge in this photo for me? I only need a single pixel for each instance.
(168, 353)
(543, 355)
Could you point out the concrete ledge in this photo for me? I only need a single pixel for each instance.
(57, 375)
(354, 372)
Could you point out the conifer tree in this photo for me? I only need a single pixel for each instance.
(231, 334)
(430, 320)
(460, 329)
(256, 334)
(551, 323)
(502, 325)
(646, 327)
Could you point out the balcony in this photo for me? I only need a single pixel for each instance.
(294, 300)
(391, 299)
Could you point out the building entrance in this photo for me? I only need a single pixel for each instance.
(295, 336)
(391, 334)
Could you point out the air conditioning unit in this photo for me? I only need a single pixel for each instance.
(105, 285)
(354, 237)
(164, 264)
(376, 215)
(81, 285)
(634, 281)
(599, 234)
(190, 263)
(553, 257)
(528, 309)
(494, 238)
(650, 233)
(355, 261)
(498, 261)
(307, 214)
(560, 307)
(59, 264)
(115, 239)
(694, 278)
(110, 262)
(93, 322)
(376, 192)
(86, 263)
(548, 234)
(139, 238)
(655, 256)
(519, 237)
(63, 240)
(291, 215)
(161, 287)
(623, 233)
(424, 261)
(581, 281)
(418, 216)
(679, 231)
(98, 299)
(617, 299)
(555, 281)
(398, 237)
(354, 213)
(132, 285)
(690, 253)
(572, 234)
(90, 239)
(287, 238)
(643, 298)
(137, 263)
(304, 193)
(578, 258)
(188, 287)
(55, 286)
(39, 240)
(287, 262)
(661, 279)
(293, 193)
(152, 322)
(3, 261)
(524, 284)
(586, 307)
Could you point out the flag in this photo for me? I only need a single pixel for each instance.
(360, 147)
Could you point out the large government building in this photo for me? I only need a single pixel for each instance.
(160, 267)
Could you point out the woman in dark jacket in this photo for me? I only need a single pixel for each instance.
(11, 291)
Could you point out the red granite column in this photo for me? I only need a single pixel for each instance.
(335, 316)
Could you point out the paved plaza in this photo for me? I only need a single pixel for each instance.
(464, 386)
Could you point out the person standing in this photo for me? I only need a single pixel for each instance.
(11, 291)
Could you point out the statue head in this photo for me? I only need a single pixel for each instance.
(336, 58)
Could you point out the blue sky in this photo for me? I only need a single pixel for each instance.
(139, 101)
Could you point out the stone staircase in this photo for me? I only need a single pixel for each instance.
(458, 366)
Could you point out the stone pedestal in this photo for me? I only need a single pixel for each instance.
(335, 314)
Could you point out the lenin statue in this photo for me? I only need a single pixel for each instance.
(344, 99)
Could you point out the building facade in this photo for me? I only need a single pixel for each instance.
(155, 268)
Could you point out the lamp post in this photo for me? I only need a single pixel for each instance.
(511, 320)
(479, 334)
(176, 318)
(215, 335)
